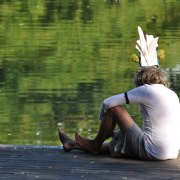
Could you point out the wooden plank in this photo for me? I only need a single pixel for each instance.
(53, 163)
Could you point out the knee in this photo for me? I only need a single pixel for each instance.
(114, 109)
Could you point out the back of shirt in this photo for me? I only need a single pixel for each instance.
(160, 109)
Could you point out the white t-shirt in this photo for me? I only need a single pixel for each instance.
(160, 109)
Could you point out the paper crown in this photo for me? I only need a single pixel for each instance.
(147, 47)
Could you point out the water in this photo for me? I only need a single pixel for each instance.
(60, 59)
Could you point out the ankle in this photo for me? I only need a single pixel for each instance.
(96, 148)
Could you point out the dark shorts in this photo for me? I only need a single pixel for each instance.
(132, 144)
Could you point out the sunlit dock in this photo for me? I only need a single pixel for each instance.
(51, 162)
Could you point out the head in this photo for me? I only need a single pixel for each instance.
(150, 75)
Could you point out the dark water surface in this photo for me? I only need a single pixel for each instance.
(60, 59)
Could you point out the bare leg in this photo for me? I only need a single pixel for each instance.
(107, 125)
(70, 144)
(114, 115)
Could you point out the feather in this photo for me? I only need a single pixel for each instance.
(139, 46)
(147, 47)
(153, 44)
(145, 35)
(143, 43)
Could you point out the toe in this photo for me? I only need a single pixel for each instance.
(76, 135)
(59, 129)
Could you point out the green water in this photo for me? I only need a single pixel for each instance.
(60, 59)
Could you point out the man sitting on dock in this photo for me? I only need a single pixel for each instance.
(158, 106)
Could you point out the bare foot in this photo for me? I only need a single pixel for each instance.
(68, 143)
(86, 144)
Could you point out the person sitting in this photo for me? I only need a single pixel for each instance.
(158, 106)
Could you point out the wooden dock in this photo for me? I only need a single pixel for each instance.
(51, 162)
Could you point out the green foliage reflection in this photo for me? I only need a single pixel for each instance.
(60, 59)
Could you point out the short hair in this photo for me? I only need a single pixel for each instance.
(150, 75)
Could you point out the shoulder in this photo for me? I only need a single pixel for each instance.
(162, 92)
(139, 89)
(153, 89)
(138, 92)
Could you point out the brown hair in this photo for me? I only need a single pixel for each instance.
(150, 75)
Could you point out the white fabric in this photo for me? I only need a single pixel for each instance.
(159, 107)
(148, 49)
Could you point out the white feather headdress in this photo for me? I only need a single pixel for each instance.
(147, 47)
